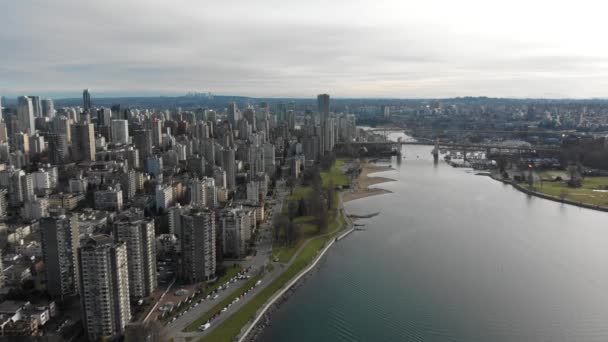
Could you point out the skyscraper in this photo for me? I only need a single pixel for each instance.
(138, 235)
(61, 125)
(86, 100)
(48, 108)
(25, 115)
(104, 287)
(83, 142)
(36, 106)
(323, 105)
(198, 246)
(198, 193)
(142, 139)
(233, 113)
(60, 239)
(229, 163)
(120, 132)
(236, 232)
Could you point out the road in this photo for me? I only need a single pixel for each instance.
(257, 262)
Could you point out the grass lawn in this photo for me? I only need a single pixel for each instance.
(285, 253)
(335, 175)
(309, 229)
(219, 306)
(584, 194)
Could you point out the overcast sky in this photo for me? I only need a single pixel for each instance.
(274, 48)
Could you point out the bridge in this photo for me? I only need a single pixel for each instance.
(457, 146)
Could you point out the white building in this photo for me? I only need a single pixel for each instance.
(164, 196)
(138, 235)
(25, 115)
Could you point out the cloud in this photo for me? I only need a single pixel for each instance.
(383, 48)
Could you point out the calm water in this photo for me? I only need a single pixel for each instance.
(456, 257)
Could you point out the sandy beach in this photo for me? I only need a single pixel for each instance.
(360, 188)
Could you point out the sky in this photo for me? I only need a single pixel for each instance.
(279, 48)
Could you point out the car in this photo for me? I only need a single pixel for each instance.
(204, 327)
(215, 297)
(224, 309)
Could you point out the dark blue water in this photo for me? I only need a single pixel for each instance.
(456, 257)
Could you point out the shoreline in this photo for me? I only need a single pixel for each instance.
(545, 196)
(361, 185)
(361, 190)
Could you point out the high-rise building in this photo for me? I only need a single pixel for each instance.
(164, 196)
(104, 116)
(233, 113)
(197, 242)
(36, 106)
(83, 142)
(25, 115)
(20, 187)
(120, 132)
(60, 239)
(86, 100)
(236, 232)
(22, 142)
(269, 155)
(104, 287)
(323, 105)
(142, 139)
(211, 193)
(229, 163)
(58, 148)
(138, 235)
(61, 125)
(198, 193)
(157, 132)
(48, 108)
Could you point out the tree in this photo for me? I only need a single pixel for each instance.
(302, 207)
(292, 210)
(279, 224)
(330, 193)
(291, 182)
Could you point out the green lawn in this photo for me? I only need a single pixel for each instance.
(584, 194)
(335, 175)
(230, 272)
(219, 306)
(309, 229)
(285, 253)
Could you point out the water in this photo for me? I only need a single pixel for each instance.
(456, 257)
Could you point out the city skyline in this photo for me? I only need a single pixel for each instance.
(267, 49)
